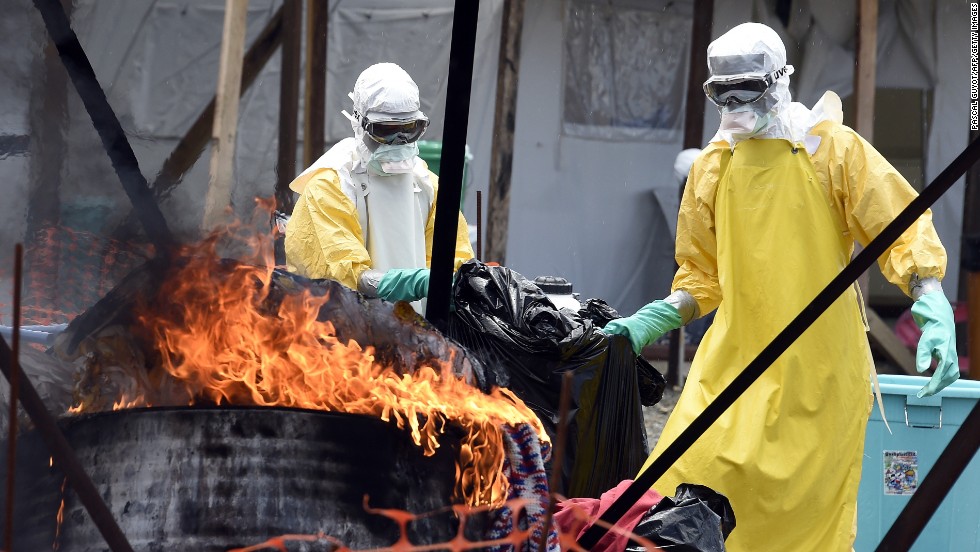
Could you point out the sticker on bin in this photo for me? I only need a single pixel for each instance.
(901, 471)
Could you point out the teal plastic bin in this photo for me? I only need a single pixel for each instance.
(896, 463)
(431, 152)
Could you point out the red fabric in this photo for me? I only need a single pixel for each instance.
(575, 515)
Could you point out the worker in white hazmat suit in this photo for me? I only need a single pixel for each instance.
(366, 209)
(769, 216)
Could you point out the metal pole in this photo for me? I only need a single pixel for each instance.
(14, 381)
(781, 342)
(554, 482)
(451, 163)
(479, 225)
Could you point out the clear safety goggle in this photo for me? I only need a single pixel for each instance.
(394, 132)
(741, 91)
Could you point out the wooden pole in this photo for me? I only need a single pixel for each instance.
(866, 60)
(225, 127)
(317, 25)
(190, 147)
(697, 73)
(292, 25)
(504, 115)
(48, 120)
(187, 151)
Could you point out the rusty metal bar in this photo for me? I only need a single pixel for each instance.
(14, 380)
(479, 225)
(564, 407)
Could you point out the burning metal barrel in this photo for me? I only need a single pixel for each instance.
(210, 479)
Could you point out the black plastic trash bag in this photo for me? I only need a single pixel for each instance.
(697, 519)
(526, 345)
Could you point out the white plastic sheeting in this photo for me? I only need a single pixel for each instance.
(599, 212)
(625, 70)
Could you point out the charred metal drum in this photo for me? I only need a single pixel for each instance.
(209, 479)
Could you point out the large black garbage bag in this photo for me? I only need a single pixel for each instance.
(526, 345)
(697, 519)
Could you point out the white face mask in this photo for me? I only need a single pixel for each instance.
(743, 121)
(394, 159)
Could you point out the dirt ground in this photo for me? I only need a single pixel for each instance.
(654, 417)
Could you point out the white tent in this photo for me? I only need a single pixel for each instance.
(593, 196)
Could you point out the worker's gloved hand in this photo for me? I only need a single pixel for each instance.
(648, 324)
(404, 284)
(934, 315)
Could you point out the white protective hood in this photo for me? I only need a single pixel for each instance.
(753, 49)
(382, 92)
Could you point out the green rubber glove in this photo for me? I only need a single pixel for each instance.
(648, 324)
(404, 284)
(934, 315)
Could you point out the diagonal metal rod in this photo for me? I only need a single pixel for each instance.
(14, 380)
(63, 455)
(105, 121)
(781, 342)
(458, 86)
(934, 488)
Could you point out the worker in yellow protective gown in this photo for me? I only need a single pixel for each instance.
(769, 215)
(367, 207)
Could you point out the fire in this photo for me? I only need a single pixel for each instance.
(218, 338)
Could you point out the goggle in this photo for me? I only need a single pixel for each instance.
(743, 91)
(394, 132)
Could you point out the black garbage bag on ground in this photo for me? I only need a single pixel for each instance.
(697, 519)
(526, 345)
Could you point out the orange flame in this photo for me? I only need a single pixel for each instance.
(219, 341)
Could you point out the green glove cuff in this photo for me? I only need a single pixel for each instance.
(404, 284)
(649, 324)
(934, 316)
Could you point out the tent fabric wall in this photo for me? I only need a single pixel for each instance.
(820, 42)
(600, 213)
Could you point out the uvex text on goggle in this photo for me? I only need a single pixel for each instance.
(741, 91)
(394, 132)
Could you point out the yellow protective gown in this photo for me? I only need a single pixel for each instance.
(760, 232)
(324, 238)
